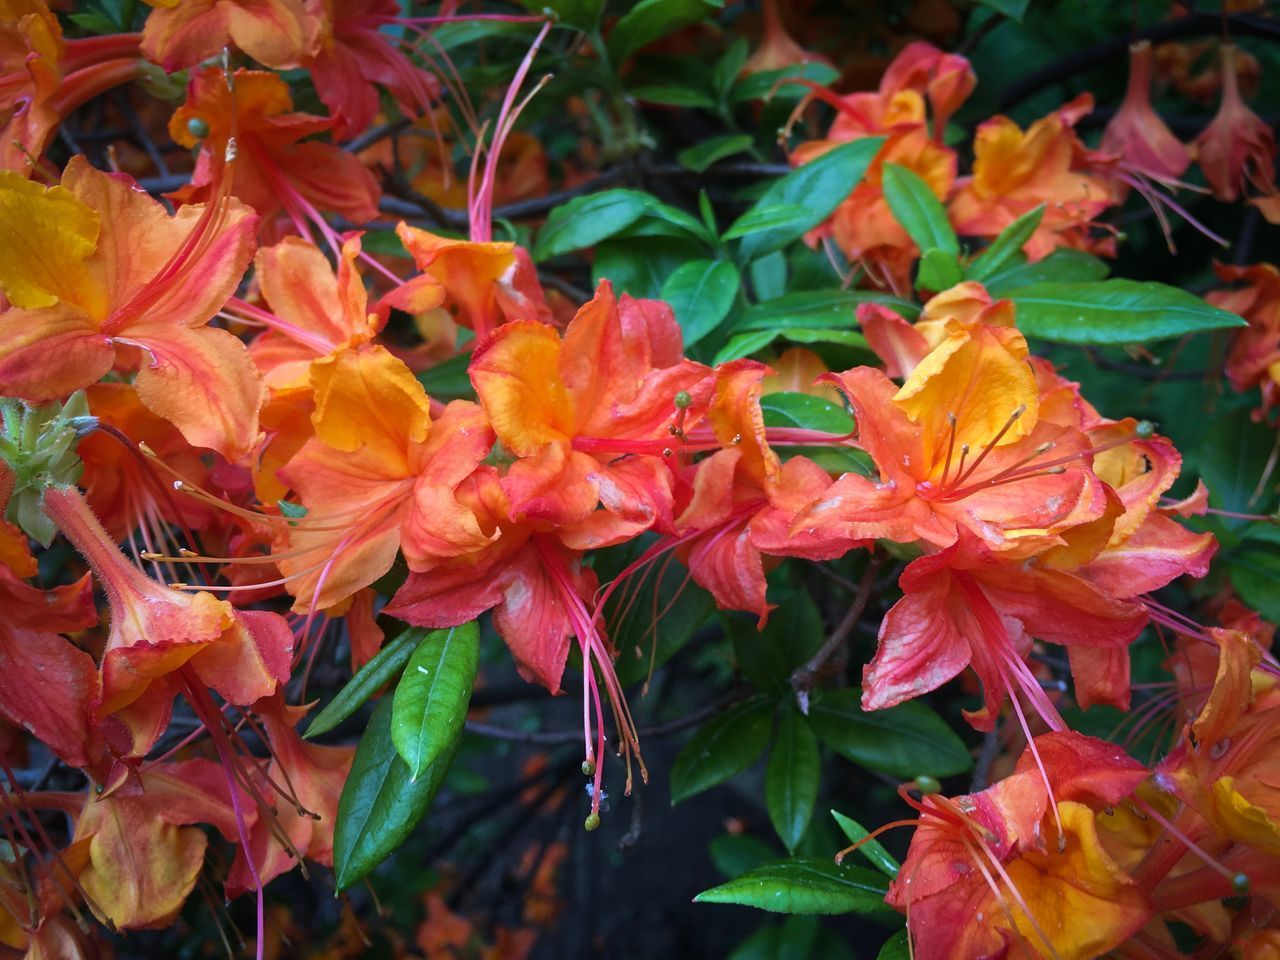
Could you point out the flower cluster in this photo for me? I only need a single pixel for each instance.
(215, 405)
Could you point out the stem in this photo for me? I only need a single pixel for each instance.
(803, 677)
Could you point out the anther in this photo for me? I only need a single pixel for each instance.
(927, 785)
(1144, 430)
(667, 452)
(1240, 883)
(737, 439)
(588, 768)
(197, 128)
(684, 400)
(592, 822)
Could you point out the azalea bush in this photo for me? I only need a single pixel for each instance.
(639, 479)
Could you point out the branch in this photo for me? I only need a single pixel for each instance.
(803, 677)
(1107, 52)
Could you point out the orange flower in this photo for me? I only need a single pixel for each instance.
(156, 630)
(95, 267)
(961, 444)
(277, 33)
(1019, 869)
(1016, 171)
(273, 172)
(570, 409)
(44, 77)
(777, 50)
(1136, 133)
(315, 776)
(1238, 150)
(1254, 360)
(378, 476)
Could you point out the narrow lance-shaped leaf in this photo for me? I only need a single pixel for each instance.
(369, 679)
(1114, 311)
(872, 849)
(381, 803)
(819, 186)
(1006, 249)
(727, 745)
(921, 214)
(701, 293)
(430, 704)
(903, 741)
(805, 886)
(791, 779)
(585, 221)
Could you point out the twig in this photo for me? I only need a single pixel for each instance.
(986, 757)
(553, 737)
(1193, 24)
(802, 678)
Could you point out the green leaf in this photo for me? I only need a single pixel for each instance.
(1013, 9)
(896, 947)
(380, 803)
(819, 308)
(758, 219)
(701, 294)
(806, 412)
(641, 265)
(745, 344)
(1254, 568)
(791, 779)
(769, 275)
(94, 21)
(904, 741)
(771, 83)
(585, 221)
(1005, 251)
(650, 20)
(1061, 266)
(805, 886)
(919, 212)
(369, 679)
(430, 704)
(873, 849)
(727, 745)
(1114, 311)
(1232, 458)
(673, 96)
(939, 270)
(582, 14)
(736, 853)
(820, 186)
(449, 379)
(729, 66)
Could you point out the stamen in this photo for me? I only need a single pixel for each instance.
(951, 443)
(1017, 413)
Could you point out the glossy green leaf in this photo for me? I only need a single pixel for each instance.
(1061, 266)
(430, 704)
(939, 270)
(728, 744)
(368, 680)
(1005, 251)
(650, 20)
(904, 741)
(791, 778)
(773, 83)
(673, 96)
(819, 308)
(1232, 459)
(896, 947)
(449, 379)
(701, 294)
(919, 212)
(805, 886)
(873, 850)
(819, 186)
(380, 803)
(745, 344)
(783, 216)
(736, 853)
(1114, 311)
(585, 221)
(806, 412)
(704, 153)
(1254, 568)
